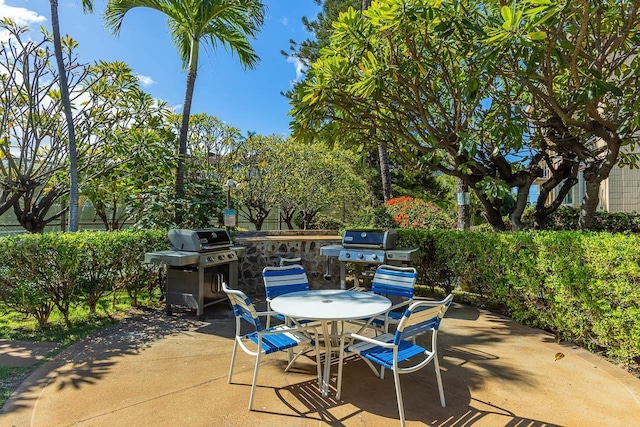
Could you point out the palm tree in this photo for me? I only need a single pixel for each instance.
(230, 23)
(87, 6)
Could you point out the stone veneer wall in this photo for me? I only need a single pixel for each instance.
(267, 248)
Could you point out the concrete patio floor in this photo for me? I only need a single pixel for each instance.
(155, 370)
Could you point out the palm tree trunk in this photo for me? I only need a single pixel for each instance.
(66, 103)
(385, 174)
(184, 129)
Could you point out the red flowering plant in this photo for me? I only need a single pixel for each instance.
(409, 212)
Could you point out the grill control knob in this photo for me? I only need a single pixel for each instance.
(360, 256)
(220, 257)
(374, 256)
(347, 255)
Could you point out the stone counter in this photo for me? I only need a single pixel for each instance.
(267, 249)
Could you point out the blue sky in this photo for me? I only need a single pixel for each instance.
(249, 100)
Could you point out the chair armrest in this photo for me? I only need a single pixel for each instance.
(290, 329)
(266, 313)
(402, 304)
(370, 340)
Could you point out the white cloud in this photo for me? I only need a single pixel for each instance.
(19, 15)
(145, 81)
(284, 21)
(299, 66)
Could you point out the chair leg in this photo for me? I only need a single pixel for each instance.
(318, 367)
(340, 362)
(439, 379)
(233, 359)
(255, 379)
(436, 364)
(396, 378)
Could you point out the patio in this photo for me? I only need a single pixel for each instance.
(156, 370)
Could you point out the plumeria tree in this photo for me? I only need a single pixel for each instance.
(34, 140)
(579, 67)
(140, 152)
(430, 76)
(316, 179)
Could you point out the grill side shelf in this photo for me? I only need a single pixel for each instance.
(174, 258)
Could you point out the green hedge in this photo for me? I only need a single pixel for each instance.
(43, 272)
(583, 286)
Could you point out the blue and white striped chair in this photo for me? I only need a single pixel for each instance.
(266, 340)
(389, 350)
(283, 280)
(395, 282)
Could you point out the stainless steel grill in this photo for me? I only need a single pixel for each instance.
(367, 247)
(197, 264)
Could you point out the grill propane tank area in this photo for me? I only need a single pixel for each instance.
(197, 264)
(372, 247)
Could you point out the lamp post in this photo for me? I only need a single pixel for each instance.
(229, 214)
(230, 183)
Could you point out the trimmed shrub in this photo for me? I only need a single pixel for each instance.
(566, 218)
(582, 286)
(43, 272)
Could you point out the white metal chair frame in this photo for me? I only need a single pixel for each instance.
(290, 261)
(388, 350)
(282, 280)
(393, 281)
(269, 340)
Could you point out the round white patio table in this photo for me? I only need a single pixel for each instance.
(330, 305)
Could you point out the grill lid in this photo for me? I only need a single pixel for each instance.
(370, 239)
(199, 240)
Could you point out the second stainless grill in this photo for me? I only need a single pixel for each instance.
(367, 247)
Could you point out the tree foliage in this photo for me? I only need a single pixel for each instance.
(141, 162)
(33, 144)
(315, 180)
(579, 65)
(278, 174)
(429, 75)
(230, 23)
(386, 172)
(151, 198)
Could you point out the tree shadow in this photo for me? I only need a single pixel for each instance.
(461, 345)
(363, 394)
(91, 359)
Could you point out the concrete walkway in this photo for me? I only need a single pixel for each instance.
(172, 371)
